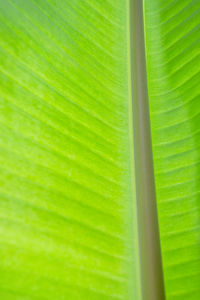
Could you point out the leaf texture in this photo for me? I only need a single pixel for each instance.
(172, 31)
(67, 225)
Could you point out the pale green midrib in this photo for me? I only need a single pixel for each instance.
(152, 282)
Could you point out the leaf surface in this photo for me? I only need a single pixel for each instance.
(66, 179)
(173, 65)
(68, 215)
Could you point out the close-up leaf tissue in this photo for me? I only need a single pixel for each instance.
(99, 149)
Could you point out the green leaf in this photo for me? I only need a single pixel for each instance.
(72, 218)
(173, 64)
(67, 188)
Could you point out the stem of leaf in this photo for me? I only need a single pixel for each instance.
(149, 241)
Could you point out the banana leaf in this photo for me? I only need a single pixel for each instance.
(69, 205)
